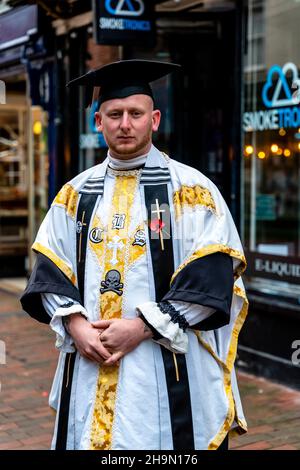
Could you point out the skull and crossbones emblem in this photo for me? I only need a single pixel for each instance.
(112, 282)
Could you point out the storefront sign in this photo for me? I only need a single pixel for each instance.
(119, 22)
(284, 103)
(17, 25)
(280, 268)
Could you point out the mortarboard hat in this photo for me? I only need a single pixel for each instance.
(121, 79)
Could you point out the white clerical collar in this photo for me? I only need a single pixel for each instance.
(118, 164)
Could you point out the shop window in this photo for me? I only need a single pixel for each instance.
(13, 181)
(23, 182)
(271, 155)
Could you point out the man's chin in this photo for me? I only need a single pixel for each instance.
(126, 149)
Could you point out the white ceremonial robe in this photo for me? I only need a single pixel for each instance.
(138, 415)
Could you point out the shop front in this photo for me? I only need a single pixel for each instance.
(233, 112)
(24, 164)
(271, 225)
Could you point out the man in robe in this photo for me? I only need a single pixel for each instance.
(138, 273)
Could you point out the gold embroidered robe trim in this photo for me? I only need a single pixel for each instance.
(118, 255)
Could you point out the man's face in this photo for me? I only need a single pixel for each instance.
(127, 125)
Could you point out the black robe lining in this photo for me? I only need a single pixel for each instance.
(46, 277)
(206, 281)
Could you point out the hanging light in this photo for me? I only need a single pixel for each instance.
(282, 131)
(261, 155)
(37, 128)
(287, 153)
(249, 149)
(274, 148)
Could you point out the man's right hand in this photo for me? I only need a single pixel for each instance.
(86, 338)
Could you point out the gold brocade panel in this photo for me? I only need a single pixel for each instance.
(68, 198)
(118, 250)
(191, 196)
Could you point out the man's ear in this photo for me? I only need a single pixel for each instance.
(156, 115)
(98, 119)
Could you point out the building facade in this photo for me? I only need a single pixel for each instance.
(233, 113)
(270, 189)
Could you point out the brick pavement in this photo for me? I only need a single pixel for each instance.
(26, 422)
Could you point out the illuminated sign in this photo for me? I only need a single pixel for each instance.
(119, 22)
(281, 86)
(276, 95)
(125, 7)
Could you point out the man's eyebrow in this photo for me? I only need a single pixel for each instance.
(132, 108)
(113, 110)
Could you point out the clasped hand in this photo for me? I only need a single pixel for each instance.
(106, 341)
(119, 336)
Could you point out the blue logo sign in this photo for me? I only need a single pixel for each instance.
(282, 87)
(120, 22)
(125, 7)
(283, 111)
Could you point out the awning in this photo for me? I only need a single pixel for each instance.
(17, 26)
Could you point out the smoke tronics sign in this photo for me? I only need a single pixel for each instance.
(120, 22)
(282, 103)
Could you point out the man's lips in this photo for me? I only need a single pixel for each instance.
(122, 137)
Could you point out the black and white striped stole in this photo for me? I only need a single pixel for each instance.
(155, 175)
(155, 182)
(93, 186)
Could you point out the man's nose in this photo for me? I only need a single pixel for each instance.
(125, 122)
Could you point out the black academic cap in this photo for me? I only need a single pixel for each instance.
(121, 79)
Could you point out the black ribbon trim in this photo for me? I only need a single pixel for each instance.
(176, 317)
(163, 269)
(86, 207)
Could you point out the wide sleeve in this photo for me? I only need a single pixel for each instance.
(55, 248)
(209, 266)
(206, 281)
(209, 271)
(168, 321)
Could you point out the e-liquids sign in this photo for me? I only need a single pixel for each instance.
(279, 268)
(120, 22)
